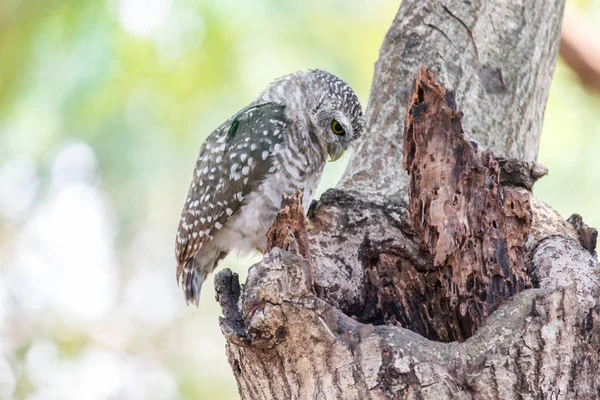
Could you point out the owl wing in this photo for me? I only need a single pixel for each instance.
(232, 160)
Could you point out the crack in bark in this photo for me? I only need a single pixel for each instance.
(466, 27)
(435, 28)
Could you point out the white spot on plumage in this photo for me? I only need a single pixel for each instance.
(265, 154)
(234, 174)
(245, 171)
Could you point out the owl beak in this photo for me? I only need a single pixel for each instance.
(334, 157)
(334, 154)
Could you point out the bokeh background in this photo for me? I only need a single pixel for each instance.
(103, 107)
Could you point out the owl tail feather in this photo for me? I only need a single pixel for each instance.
(192, 277)
(192, 280)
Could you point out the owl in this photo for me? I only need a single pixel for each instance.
(278, 144)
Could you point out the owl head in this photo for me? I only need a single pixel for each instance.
(323, 105)
(336, 115)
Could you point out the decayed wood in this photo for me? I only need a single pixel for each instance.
(475, 226)
(375, 264)
(289, 229)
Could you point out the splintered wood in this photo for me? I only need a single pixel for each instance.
(288, 232)
(474, 226)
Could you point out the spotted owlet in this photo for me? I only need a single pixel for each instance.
(276, 145)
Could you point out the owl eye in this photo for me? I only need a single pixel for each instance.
(337, 128)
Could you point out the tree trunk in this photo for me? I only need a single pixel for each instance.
(431, 271)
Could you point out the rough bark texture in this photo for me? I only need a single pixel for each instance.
(451, 281)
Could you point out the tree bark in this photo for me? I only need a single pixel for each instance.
(451, 280)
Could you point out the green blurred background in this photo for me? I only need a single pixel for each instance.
(103, 107)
